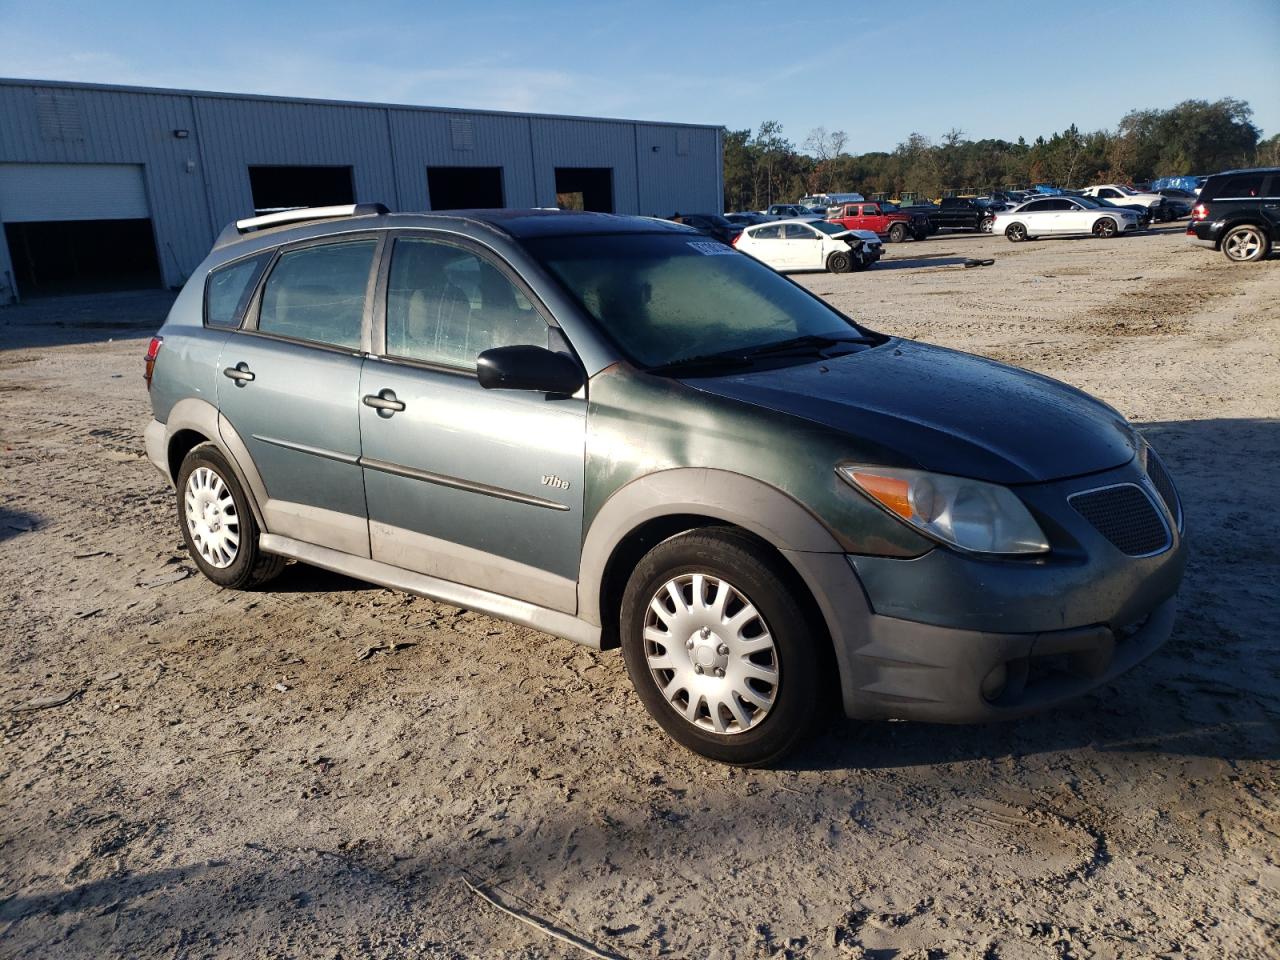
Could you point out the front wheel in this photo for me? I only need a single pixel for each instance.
(1245, 244)
(1015, 233)
(720, 652)
(897, 233)
(1105, 228)
(217, 522)
(839, 262)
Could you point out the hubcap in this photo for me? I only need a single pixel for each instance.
(1243, 245)
(711, 653)
(212, 520)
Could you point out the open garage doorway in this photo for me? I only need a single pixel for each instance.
(465, 188)
(284, 188)
(82, 256)
(585, 188)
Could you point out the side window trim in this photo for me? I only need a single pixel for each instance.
(249, 325)
(378, 344)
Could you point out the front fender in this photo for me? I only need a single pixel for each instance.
(720, 494)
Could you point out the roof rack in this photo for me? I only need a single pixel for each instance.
(298, 215)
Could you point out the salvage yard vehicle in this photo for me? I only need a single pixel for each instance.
(1238, 213)
(794, 245)
(1059, 216)
(882, 218)
(713, 225)
(962, 213)
(1119, 193)
(618, 431)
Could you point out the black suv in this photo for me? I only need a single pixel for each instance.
(1238, 213)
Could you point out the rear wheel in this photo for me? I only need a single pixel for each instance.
(1245, 244)
(719, 651)
(217, 522)
(1104, 227)
(839, 262)
(987, 224)
(1015, 233)
(897, 233)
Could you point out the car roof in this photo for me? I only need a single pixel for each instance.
(517, 223)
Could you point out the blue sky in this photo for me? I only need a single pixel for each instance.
(876, 70)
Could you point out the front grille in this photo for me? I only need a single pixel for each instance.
(1164, 486)
(1125, 515)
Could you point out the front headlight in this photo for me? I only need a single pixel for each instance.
(967, 514)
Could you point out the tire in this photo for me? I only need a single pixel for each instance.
(207, 484)
(987, 224)
(744, 694)
(897, 233)
(1247, 243)
(1105, 228)
(1015, 233)
(840, 262)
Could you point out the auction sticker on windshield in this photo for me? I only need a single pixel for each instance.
(710, 248)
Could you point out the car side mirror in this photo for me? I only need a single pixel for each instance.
(528, 368)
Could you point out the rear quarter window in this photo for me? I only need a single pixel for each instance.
(228, 289)
(1240, 186)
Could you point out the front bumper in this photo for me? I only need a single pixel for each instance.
(955, 639)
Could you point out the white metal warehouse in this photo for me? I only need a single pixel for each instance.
(112, 187)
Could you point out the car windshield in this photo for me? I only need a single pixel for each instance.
(667, 298)
(1093, 202)
(1128, 191)
(889, 207)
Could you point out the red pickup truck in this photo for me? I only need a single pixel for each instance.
(884, 218)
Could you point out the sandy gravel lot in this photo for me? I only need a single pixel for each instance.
(182, 804)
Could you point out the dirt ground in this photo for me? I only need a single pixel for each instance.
(229, 777)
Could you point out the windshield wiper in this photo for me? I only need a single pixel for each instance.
(807, 342)
(717, 361)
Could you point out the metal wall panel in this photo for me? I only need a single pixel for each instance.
(197, 183)
(422, 138)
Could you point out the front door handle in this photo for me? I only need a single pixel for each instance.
(385, 402)
(240, 373)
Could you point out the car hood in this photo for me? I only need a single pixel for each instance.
(945, 411)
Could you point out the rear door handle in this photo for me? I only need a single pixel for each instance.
(240, 373)
(385, 402)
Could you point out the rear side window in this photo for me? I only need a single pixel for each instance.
(1239, 186)
(767, 233)
(228, 289)
(318, 293)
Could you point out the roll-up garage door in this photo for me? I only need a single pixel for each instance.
(77, 227)
(42, 192)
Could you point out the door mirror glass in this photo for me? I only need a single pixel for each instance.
(528, 368)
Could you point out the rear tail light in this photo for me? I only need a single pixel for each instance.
(1199, 212)
(736, 238)
(153, 351)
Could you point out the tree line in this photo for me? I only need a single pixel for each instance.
(1194, 137)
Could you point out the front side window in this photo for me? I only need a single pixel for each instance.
(797, 231)
(446, 305)
(871, 211)
(228, 289)
(1109, 194)
(666, 298)
(318, 293)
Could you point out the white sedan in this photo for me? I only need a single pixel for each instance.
(804, 245)
(1056, 216)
